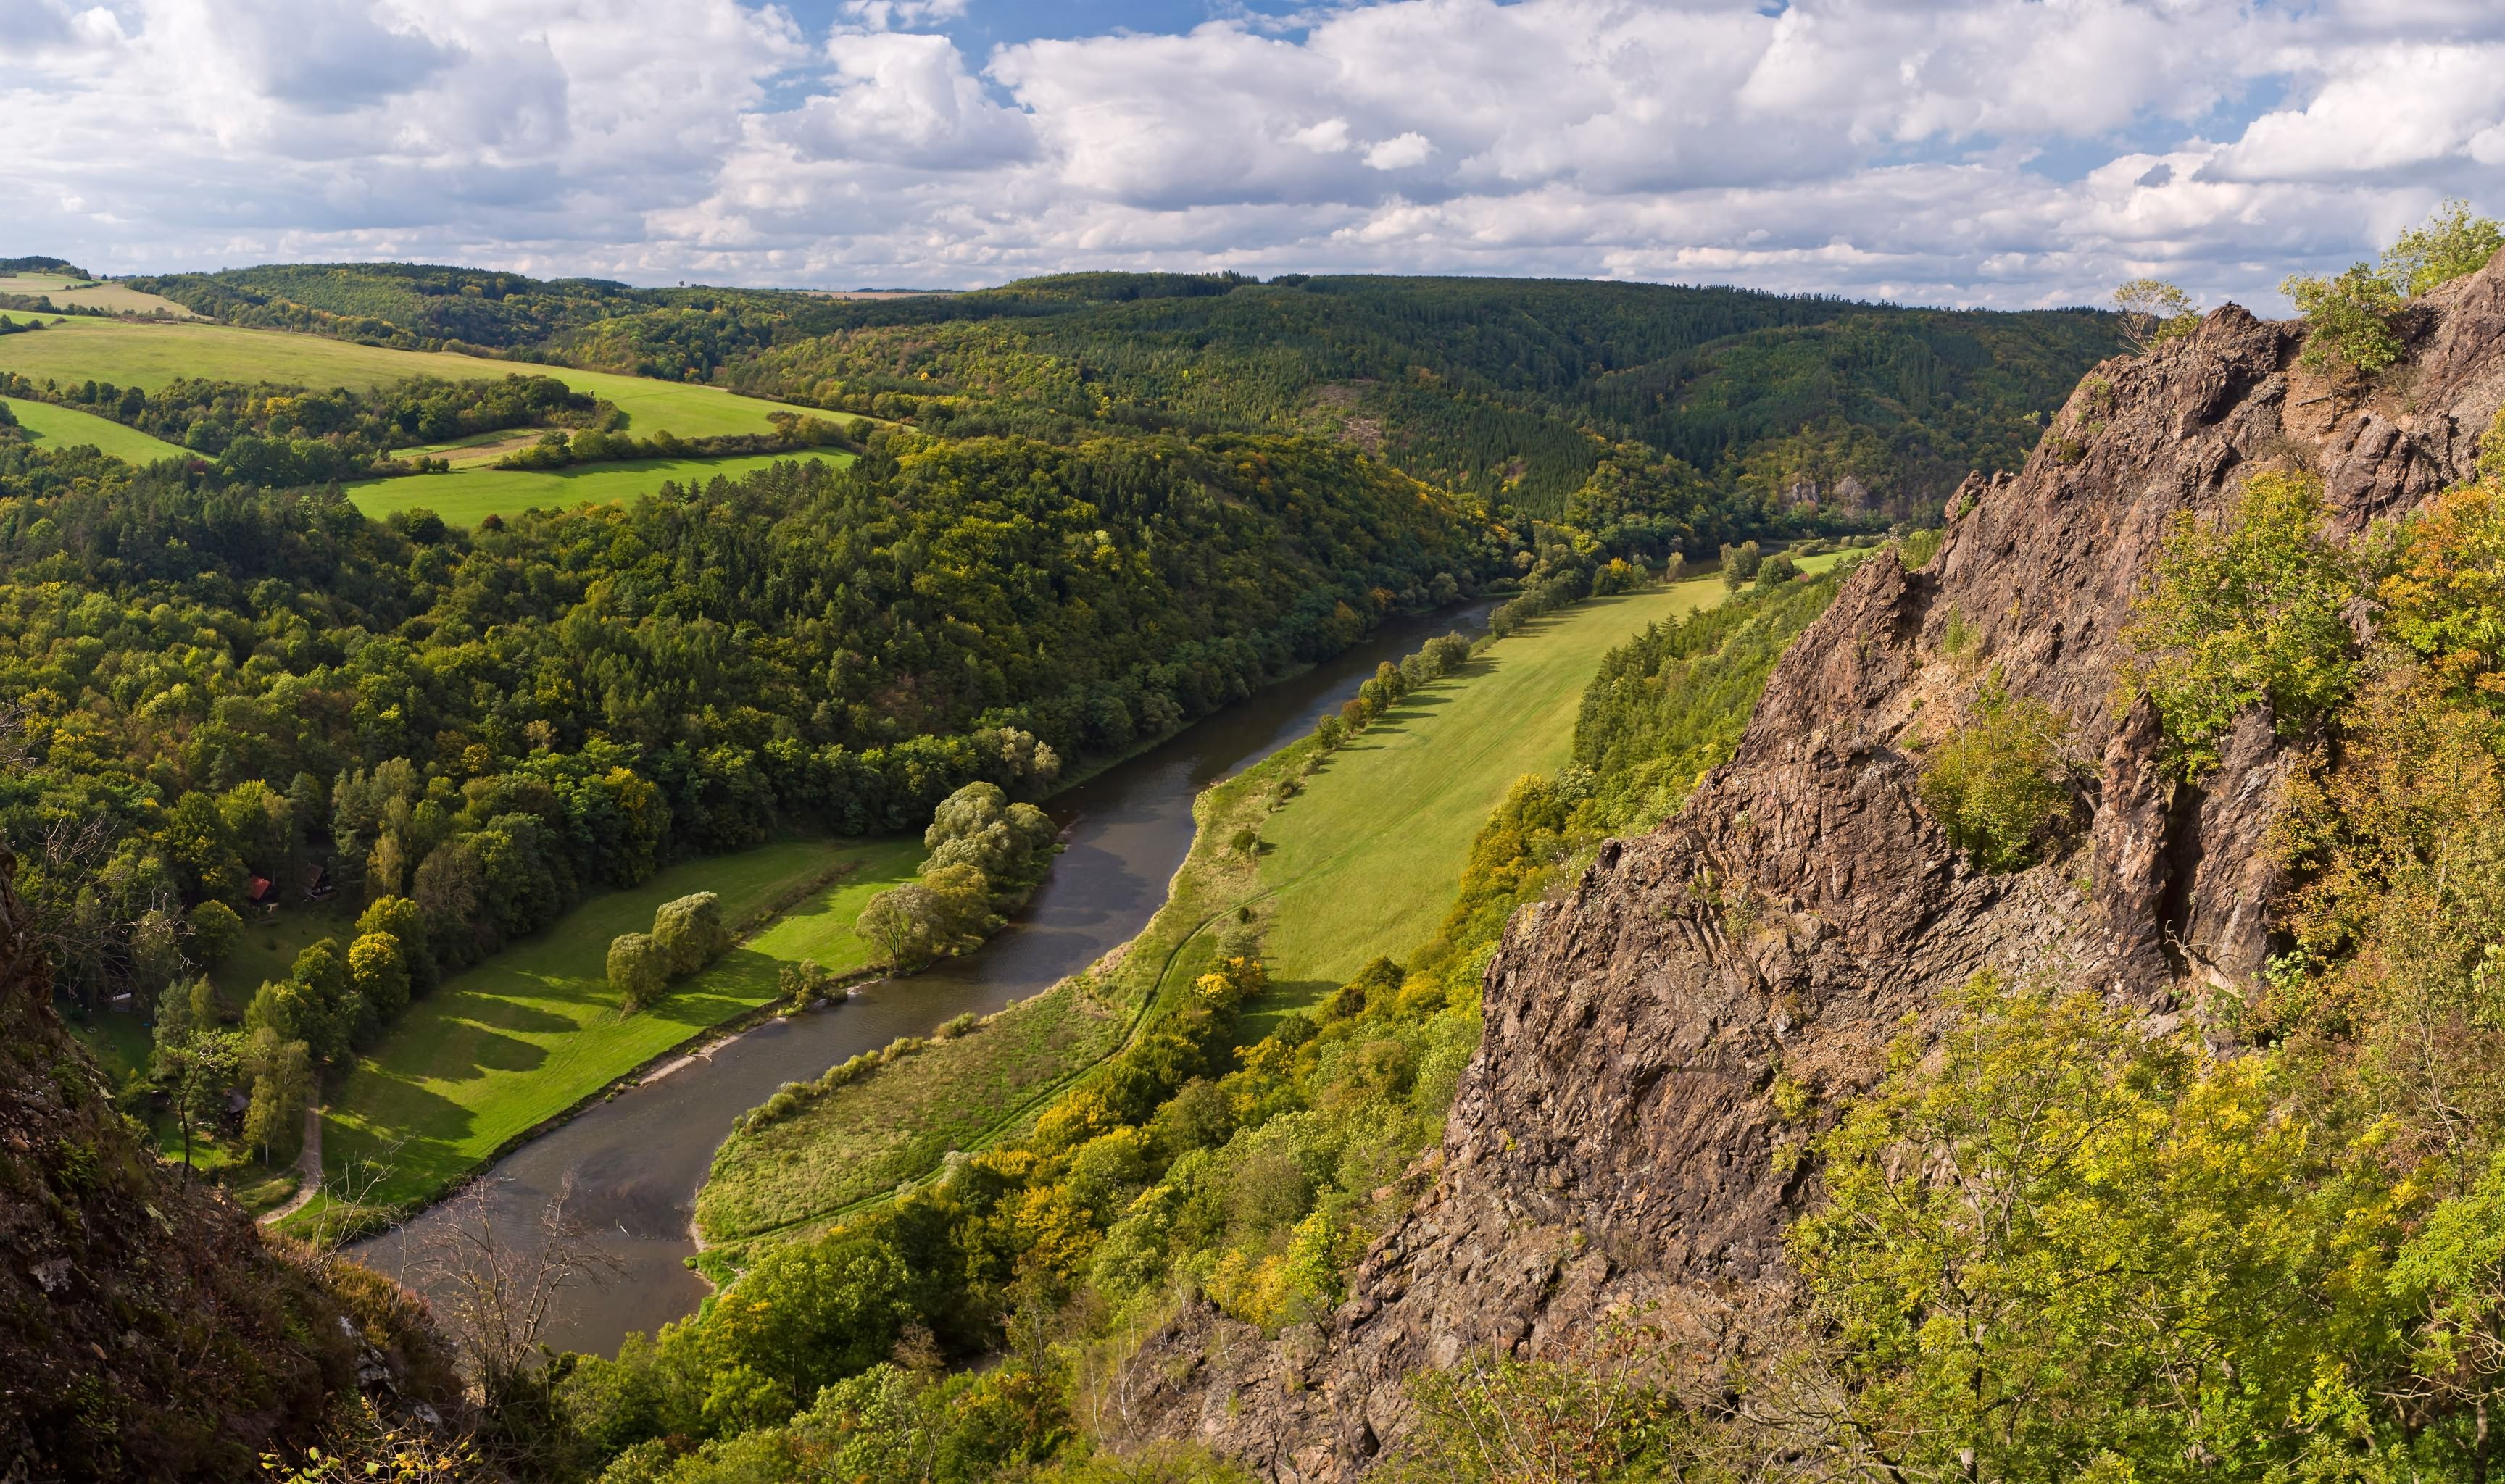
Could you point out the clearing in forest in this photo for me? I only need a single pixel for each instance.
(466, 495)
(513, 1042)
(149, 356)
(67, 428)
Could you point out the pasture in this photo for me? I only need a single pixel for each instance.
(526, 1035)
(466, 495)
(67, 428)
(117, 299)
(148, 355)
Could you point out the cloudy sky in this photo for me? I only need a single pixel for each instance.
(2007, 153)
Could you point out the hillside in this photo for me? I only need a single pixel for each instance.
(1686, 413)
(151, 1334)
(1688, 1052)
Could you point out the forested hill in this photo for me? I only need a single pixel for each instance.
(1740, 411)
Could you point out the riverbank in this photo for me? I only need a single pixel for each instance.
(515, 1046)
(1373, 835)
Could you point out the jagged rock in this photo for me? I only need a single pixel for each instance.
(1610, 1142)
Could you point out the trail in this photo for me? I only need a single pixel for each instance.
(309, 1169)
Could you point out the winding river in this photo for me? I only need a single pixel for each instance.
(638, 1160)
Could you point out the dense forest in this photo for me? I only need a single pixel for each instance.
(1752, 412)
(205, 680)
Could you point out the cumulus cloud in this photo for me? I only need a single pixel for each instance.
(2003, 151)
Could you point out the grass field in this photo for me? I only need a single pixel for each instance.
(860, 1140)
(463, 495)
(533, 1031)
(1363, 863)
(119, 299)
(67, 428)
(149, 356)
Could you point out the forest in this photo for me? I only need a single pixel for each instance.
(1761, 413)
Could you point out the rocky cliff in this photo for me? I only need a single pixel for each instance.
(1612, 1142)
(145, 1331)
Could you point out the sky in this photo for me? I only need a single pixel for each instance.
(1997, 152)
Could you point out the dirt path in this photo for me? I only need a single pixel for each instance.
(309, 1169)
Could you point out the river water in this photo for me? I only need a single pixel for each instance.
(637, 1160)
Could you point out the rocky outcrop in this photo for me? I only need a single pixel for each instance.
(146, 1331)
(1611, 1141)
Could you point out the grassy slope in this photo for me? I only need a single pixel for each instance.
(463, 495)
(535, 1031)
(67, 428)
(151, 355)
(121, 298)
(1362, 862)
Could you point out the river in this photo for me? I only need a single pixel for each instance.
(638, 1160)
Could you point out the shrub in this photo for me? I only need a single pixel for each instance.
(2349, 319)
(1999, 784)
(1916, 550)
(2452, 244)
(2154, 311)
(689, 932)
(638, 970)
(2242, 612)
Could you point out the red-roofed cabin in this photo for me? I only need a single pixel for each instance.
(262, 893)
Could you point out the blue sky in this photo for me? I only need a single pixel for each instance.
(2010, 153)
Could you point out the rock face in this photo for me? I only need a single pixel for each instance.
(1611, 1139)
(146, 1333)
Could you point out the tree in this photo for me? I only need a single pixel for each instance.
(2349, 319)
(282, 1079)
(2154, 311)
(689, 932)
(195, 1073)
(2452, 244)
(638, 970)
(1740, 563)
(379, 970)
(216, 929)
(403, 920)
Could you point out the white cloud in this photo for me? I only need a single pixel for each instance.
(1401, 152)
(2009, 152)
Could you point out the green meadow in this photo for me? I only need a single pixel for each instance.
(465, 494)
(67, 428)
(144, 354)
(118, 298)
(519, 1039)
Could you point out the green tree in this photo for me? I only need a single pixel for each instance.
(689, 932)
(2349, 319)
(2000, 783)
(282, 1080)
(2452, 244)
(195, 1073)
(216, 930)
(1740, 563)
(406, 923)
(2243, 611)
(378, 971)
(638, 970)
(2154, 311)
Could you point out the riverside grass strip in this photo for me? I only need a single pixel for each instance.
(1426, 774)
(509, 1044)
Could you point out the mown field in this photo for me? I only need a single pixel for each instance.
(534, 1030)
(118, 298)
(1363, 863)
(149, 356)
(67, 428)
(465, 494)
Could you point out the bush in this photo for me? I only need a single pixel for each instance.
(2248, 611)
(638, 970)
(689, 932)
(2452, 244)
(1999, 784)
(2349, 319)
